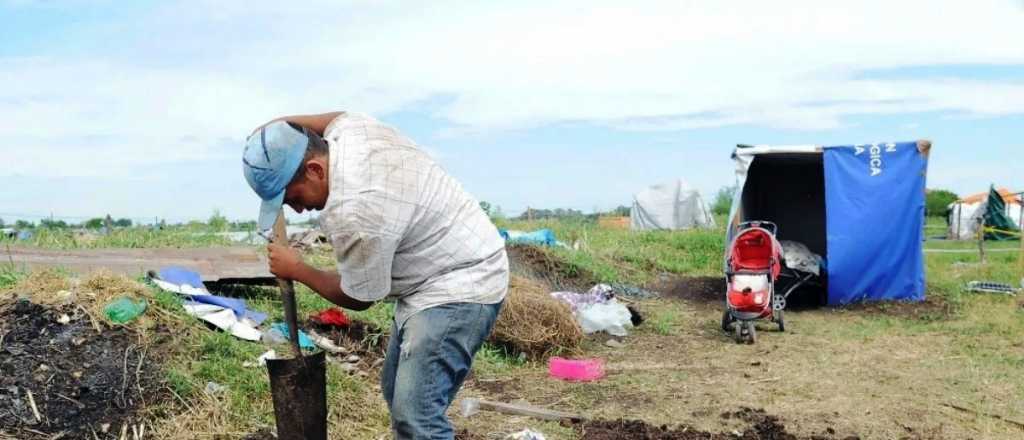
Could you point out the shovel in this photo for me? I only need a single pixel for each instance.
(298, 385)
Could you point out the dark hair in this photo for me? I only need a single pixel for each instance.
(316, 147)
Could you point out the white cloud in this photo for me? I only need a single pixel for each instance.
(187, 81)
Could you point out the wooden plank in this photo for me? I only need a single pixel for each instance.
(237, 264)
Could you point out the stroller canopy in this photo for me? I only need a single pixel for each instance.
(860, 207)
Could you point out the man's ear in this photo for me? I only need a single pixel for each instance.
(316, 169)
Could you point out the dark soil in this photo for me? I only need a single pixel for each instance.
(464, 434)
(263, 434)
(538, 264)
(694, 289)
(361, 338)
(934, 307)
(80, 380)
(761, 427)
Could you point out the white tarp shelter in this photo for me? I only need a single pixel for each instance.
(671, 205)
(964, 214)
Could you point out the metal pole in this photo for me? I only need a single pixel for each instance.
(981, 239)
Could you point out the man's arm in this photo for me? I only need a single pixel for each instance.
(317, 123)
(286, 263)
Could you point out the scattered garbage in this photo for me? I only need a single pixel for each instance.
(579, 301)
(331, 316)
(631, 291)
(282, 328)
(325, 343)
(124, 310)
(614, 343)
(597, 310)
(991, 287)
(540, 237)
(583, 370)
(262, 359)
(214, 388)
(612, 317)
(526, 434)
(228, 314)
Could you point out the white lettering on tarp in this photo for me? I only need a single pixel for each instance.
(890, 147)
(857, 150)
(876, 160)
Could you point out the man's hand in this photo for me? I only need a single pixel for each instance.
(285, 262)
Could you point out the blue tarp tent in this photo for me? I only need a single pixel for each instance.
(860, 207)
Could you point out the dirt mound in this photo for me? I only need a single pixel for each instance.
(80, 377)
(539, 264)
(762, 427)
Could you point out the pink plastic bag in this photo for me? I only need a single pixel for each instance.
(583, 370)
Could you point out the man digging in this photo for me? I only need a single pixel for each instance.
(402, 230)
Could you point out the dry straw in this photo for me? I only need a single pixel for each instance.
(533, 323)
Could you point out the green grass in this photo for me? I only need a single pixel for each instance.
(616, 255)
(9, 276)
(138, 237)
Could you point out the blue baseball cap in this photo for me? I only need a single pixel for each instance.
(272, 156)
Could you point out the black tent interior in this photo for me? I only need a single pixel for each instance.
(789, 190)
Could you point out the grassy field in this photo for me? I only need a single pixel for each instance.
(887, 371)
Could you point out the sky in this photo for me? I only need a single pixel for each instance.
(139, 109)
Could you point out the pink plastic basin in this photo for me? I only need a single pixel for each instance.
(576, 369)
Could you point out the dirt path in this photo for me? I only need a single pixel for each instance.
(833, 374)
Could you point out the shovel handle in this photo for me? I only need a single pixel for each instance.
(287, 288)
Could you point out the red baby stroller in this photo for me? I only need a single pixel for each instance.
(753, 264)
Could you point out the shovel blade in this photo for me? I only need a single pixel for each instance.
(299, 389)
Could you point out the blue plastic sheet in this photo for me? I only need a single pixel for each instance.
(541, 237)
(185, 277)
(874, 204)
(304, 341)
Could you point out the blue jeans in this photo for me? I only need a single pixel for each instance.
(427, 360)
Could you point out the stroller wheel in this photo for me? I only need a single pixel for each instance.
(780, 319)
(739, 331)
(727, 321)
(751, 332)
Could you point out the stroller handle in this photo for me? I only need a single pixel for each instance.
(770, 226)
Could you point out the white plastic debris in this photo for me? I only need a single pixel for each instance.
(224, 319)
(262, 360)
(64, 319)
(526, 434)
(183, 289)
(325, 343)
(215, 388)
(612, 317)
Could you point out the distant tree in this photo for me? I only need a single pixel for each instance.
(486, 207)
(53, 224)
(621, 211)
(723, 200)
(217, 221)
(123, 223)
(497, 213)
(1, 222)
(244, 226)
(557, 213)
(94, 223)
(937, 200)
(22, 224)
